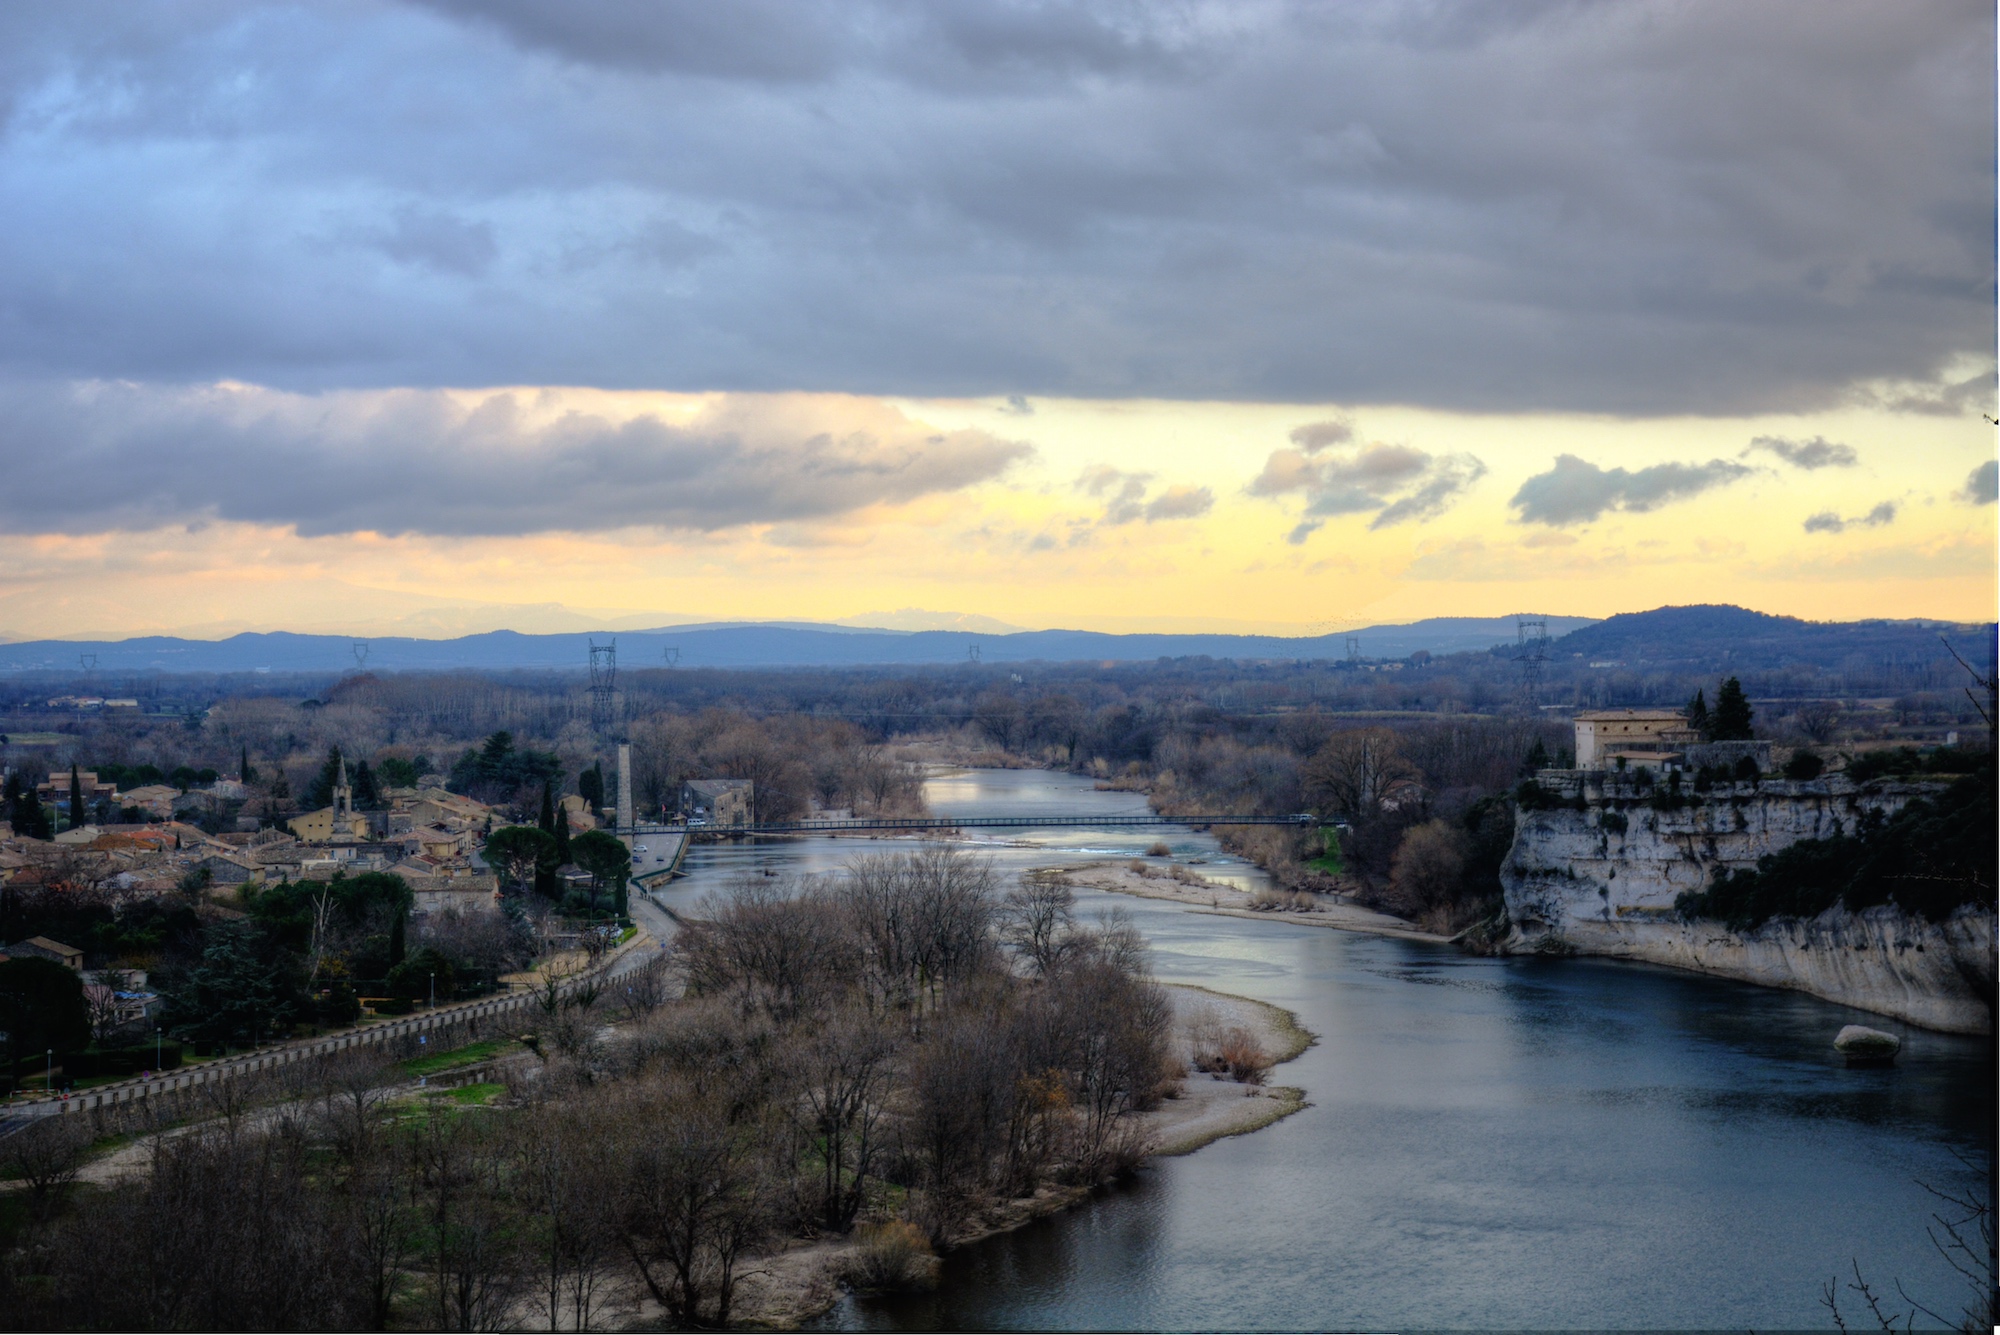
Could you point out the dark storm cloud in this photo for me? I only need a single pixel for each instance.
(106, 456)
(1644, 207)
(1576, 491)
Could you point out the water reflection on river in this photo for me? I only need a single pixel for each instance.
(1492, 1143)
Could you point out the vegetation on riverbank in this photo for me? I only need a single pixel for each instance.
(1930, 857)
(905, 1046)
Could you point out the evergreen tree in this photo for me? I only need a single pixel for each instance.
(244, 773)
(24, 810)
(1698, 720)
(590, 786)
(1732, 713)
(77, 818)
(562, 836)
(321, 792)
(396, 940)
(367, 794)
(1538, 759)
(548, 817)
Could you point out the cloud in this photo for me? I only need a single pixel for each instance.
(439, 241)
(1576, 491)
(1982, 485)
(1316, 436)
(1816, 453)
(1124, 496)
(1827, 521)
(1644, 208)
(1180, 502)
(95, 457)
(1399, 483)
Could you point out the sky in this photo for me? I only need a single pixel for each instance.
(443, 315)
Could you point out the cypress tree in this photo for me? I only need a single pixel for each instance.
(1732, 713)
(367, 797)
(562, 836)
(244, 773)
(321, 793)
(548, 820)
(1698, 719)
(623, 900)
(396, 940)
(76, 815)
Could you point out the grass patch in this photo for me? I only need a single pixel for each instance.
(476, 1096)
(1329, 860)
(450, 1061)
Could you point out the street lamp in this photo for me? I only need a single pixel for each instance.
(434, 991)
(49, 1076)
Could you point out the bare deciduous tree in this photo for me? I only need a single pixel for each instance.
(1037, 919)
(1353, 772)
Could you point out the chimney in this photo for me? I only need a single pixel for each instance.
(624, 785)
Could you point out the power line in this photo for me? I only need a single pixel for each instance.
(604, 686)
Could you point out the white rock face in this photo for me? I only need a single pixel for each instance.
(1576, 881)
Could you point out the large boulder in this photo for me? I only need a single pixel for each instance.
(1863, 1046)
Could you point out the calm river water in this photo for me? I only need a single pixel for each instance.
(1520, 1144)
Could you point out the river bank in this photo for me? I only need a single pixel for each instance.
(792, 1286)
(1178, 884)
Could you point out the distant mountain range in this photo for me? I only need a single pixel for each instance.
(741, 644)
(1709, 636)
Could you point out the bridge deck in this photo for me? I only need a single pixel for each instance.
(916, 823)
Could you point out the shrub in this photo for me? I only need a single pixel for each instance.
(1612, 820)
(1234, 1052)
(895, 1255)
(1531, 796)
(1159, 849)
(1429, 866)
(1804, 765)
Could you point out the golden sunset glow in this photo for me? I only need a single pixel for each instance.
(1035, 547)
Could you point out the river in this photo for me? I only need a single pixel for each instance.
(1497, 1143)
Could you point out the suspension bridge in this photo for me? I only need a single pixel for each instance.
(917, 824)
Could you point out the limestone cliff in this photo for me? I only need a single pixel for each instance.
(1597, 870)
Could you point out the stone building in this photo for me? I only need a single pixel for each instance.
(1646, 737)
(718, 801)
